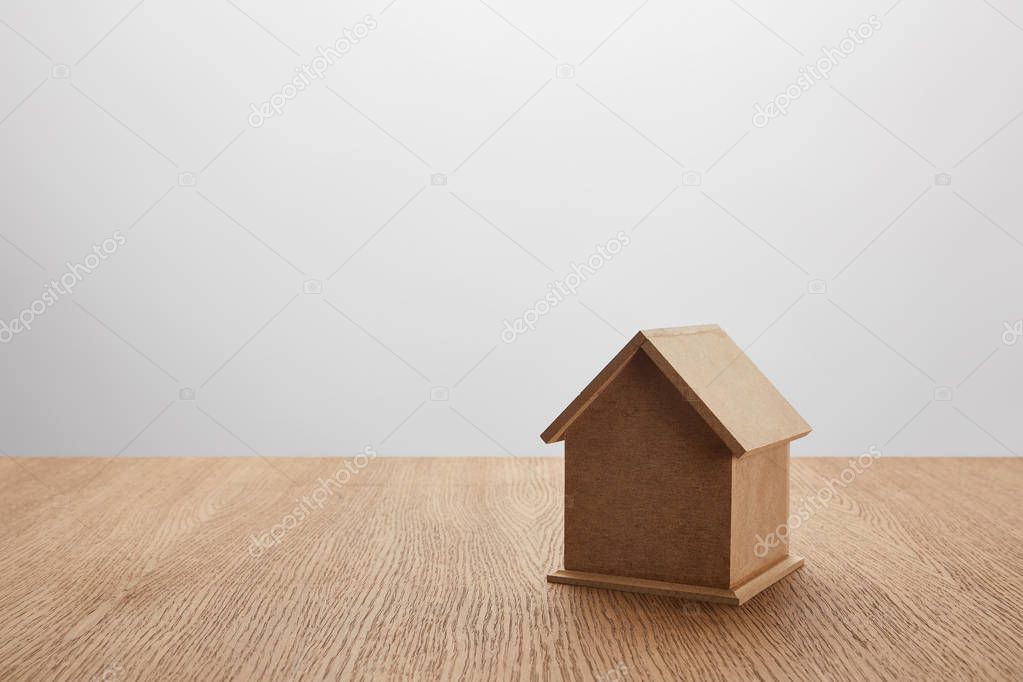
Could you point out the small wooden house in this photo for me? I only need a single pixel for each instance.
(677, 471)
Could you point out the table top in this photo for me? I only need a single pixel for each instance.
(407, 568)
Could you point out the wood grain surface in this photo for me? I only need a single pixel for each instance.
(433, 569)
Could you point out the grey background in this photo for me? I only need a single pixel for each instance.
(198, 337)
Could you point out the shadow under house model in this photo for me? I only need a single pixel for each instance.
(676, 466)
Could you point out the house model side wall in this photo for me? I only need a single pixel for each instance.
(648, 485)
(760, 504)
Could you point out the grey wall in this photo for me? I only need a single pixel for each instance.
(338, 274)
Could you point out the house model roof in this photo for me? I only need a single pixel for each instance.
(736, 400)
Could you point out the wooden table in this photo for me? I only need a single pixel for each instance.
(142, 569)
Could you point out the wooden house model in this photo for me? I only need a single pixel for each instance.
(677, 471)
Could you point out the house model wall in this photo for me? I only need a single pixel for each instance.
(676, 461)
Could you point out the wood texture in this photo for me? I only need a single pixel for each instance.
(647, 485)
(434, 569)
(759, 504)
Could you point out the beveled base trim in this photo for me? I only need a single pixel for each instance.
(735, 596)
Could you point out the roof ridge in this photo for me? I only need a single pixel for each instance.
(680, 331)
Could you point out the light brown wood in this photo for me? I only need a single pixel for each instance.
(759, 504)
(653, 491)
(733, 596)
(435, 569)
(705, 365)
(556, 431)
(727, 389)
(647, 486)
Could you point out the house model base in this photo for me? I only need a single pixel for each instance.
(734, 596)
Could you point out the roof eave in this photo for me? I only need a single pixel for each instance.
(556, 431)
(774, 444)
